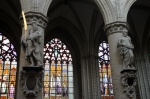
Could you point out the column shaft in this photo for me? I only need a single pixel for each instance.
(41, 21)
(115, 32)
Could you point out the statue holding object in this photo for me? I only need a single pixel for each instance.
(32, 43)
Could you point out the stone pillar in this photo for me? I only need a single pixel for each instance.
(95, 78)
(90, 77)
(123, 73)
(114, 33)
(86, 94)
(34, 72)
(31, 64)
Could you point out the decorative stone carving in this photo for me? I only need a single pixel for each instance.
(116, 27)
(125, 48)
(31, 80)
(128, 79)
(35, 16)
(32, 43)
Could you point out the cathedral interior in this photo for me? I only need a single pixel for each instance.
(77, 63)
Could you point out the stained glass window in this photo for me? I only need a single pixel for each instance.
(105, 71)
(58, 75)
(8, 67)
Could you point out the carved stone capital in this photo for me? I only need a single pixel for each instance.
(116, 27)
(31, 80)
(31, 17)
(129, 81)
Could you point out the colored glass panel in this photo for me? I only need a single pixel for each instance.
(105, 71)
(58, 79)
(8, 67)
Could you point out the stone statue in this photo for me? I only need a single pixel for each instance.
(32, 43)
(125, 48)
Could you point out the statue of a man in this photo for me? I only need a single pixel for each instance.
(32, 45)
(125, 48)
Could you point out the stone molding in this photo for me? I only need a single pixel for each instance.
(41, 19)
(31, 80)
(129, 81)
(116, 27)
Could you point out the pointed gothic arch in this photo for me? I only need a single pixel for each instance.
(8, 68)
(106, 85)
(58, 71)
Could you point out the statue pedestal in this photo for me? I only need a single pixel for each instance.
(31, 80)
(128, 80)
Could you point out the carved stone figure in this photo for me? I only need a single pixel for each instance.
(32, 45)
(125, 48)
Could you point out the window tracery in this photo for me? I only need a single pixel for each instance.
(105, 71)
(58, 74)
(8, 68)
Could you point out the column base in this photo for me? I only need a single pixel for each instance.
(31, 80)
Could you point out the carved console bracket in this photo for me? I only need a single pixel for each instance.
(41, 19)
(31, 80)
(116, 27)
(128, 80)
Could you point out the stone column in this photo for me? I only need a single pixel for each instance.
(114, 33)
(29, 82)
(123, 73)
(41, 21)
(90, 77)
(86, 94)
(95, 78)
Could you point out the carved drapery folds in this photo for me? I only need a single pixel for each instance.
(125, 49)
(32, 45)
(32, 40)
